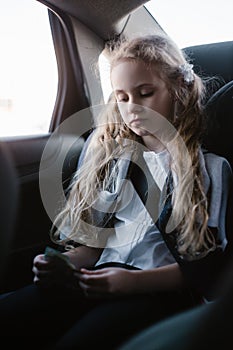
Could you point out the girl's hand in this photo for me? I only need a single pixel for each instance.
(107, 282)
(51, 271)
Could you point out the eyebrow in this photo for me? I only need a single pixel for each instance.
(137, 87)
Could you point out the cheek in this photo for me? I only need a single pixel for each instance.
(123, 111)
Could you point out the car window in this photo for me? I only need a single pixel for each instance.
(194, 23)
(202, 22)
(28, 70)
(104, 70)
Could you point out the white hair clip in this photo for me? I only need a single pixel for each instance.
(186, 70)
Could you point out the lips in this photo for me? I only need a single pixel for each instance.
(136, 121)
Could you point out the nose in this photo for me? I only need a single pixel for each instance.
(134, 108)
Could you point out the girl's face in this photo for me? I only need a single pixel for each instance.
(141, 93)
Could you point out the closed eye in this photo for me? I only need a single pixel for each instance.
(125, 98)
(147, 94)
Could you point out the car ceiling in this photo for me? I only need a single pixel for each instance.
(104, 17)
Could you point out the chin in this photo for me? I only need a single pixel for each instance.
(141, 132)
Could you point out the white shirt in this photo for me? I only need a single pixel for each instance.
(137, 241)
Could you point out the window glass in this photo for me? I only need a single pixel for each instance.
(28, 69)
(194, 22)
(104, 69)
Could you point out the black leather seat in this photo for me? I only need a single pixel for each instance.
(219, 111)
(213, 60)
(216, 61)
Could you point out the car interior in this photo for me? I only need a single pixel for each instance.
(80, 30)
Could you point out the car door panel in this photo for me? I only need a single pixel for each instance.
(33, 222)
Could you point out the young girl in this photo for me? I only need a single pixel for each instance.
(144, 222)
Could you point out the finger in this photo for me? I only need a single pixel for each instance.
(36, 280)
(42, 264)
(95, 280)
(40, 274)
(38, 257)
(93, 272)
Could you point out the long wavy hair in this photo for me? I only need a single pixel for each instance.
(190, 210)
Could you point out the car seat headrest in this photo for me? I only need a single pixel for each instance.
(219, 134)
(213, 60)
